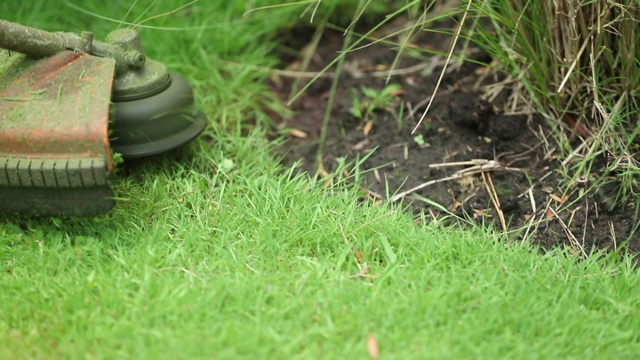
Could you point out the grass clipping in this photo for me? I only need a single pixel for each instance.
(577, 60)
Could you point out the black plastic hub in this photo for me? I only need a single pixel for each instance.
(157, 123)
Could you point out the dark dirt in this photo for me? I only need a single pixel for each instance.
(466, 149)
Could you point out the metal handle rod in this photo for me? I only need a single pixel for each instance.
(126, 49)
(38, 43)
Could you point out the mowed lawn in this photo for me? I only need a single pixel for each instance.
(216, 251)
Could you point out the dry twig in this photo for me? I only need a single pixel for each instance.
(491, 190)
(572, 239)
(478, 166)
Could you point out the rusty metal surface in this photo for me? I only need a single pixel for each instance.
(56, 107)
(54, 145)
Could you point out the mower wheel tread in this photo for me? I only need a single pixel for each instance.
(50, 173)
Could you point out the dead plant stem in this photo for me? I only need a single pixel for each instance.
(444, 69)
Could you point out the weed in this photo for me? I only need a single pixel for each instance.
(373, 100)
(419, 140)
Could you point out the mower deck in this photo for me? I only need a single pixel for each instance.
(54, 145)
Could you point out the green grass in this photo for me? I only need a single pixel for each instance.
(215, 251)
(244, 261)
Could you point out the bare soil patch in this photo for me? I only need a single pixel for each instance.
(472, 157)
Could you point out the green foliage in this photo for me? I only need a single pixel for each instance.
(419, 140)
(371, 100)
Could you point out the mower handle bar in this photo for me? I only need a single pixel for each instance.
(124, 46)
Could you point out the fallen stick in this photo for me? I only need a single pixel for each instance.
(424, 185)
(479, 166)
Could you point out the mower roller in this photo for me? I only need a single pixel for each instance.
(67, 103)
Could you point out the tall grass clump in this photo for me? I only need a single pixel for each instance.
(577, 62)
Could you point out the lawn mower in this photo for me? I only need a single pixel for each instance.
(69, 103)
